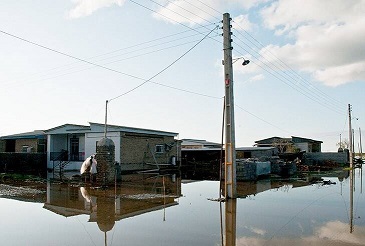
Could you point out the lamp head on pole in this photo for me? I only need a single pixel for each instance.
(244, 63)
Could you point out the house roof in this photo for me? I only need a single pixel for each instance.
(292, 139)
(268, 140)
(26, 135)
(99, 128)
(188, 141)
(300, 140)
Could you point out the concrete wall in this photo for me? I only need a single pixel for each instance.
(320, 157)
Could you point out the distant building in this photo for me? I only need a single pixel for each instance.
(303, 144)
(195, 150)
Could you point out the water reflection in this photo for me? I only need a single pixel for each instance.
(139, 194)
(165, 210)
(329, 233)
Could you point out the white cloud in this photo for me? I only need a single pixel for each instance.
(328, 37)
(242, 22)
(199, 12)
(332, 233)
(87, 7)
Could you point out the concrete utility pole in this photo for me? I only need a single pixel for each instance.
(106, 119)
(350, 137)
(230, 149)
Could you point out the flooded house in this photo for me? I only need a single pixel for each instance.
(135, 148)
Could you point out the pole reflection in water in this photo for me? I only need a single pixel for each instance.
(230, 219)
(352, 200)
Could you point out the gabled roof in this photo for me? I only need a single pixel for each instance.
(292, 139)
(307, 140)
(26, 135)
(99, 128)
(268, 140)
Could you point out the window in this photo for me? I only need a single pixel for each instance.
(25, 148)
(159, 148)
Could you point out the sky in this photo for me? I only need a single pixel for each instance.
(159, 63)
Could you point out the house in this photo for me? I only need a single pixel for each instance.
(28, 142)
(283, 144)
(135, 148)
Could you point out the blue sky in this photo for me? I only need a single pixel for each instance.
(307, 64)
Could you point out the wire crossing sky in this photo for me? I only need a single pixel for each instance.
(60, 62)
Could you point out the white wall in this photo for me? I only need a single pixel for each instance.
(92, 138)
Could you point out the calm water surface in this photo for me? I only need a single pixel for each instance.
(165, 210)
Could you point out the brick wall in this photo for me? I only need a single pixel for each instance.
(135, 151)
(19, 143)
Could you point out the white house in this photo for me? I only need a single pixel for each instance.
(68, 145)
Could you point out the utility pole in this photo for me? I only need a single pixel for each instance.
(106, 119)
(360, 143)
(230, 149)
(350, 137)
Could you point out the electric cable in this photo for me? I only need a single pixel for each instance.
(164, 69)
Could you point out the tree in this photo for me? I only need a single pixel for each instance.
(344, 144)
(284, 146)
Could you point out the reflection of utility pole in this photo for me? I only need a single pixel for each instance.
(231, 205)
(351, 200)
(230, 151)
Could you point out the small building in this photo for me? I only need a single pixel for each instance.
(24, 152)
(302, 144)
(28, 142)
(135, 148)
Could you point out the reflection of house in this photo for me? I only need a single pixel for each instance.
(134, 147)
(303, 144)
(28, 142)
(245, 189)
(105, 206)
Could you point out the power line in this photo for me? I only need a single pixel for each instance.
(283, 79)
(182, 24)
(70, 66)
(154, 76)
(284, 65)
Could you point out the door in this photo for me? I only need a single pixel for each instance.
(74, 145)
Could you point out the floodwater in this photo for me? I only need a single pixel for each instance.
(152, 209)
